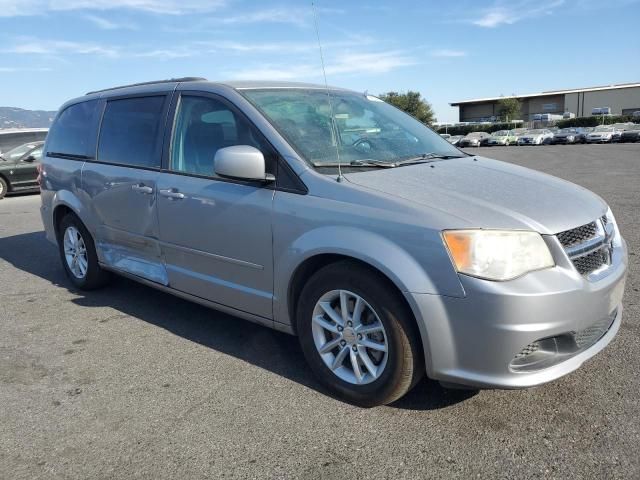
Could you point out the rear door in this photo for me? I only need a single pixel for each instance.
(215, 233)
(122, 184)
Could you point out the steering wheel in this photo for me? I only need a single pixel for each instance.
(364, 145)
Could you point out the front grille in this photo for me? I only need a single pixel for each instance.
(572, 237)
(591, 262)
(588, 246)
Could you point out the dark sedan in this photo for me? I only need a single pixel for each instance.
(19, 168)
(568, 135)
(632, 134)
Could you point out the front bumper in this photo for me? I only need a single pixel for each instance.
(474, 340)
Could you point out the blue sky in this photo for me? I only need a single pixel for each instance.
(53, 50)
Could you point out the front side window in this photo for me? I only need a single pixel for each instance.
(130, 132)
(36, 154)
(204, 125)
(71, 134)
(363, 128)
(18, 152)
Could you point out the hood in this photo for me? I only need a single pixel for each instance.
(486, 193)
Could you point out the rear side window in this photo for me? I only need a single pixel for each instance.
(130, 132)
(71, 134)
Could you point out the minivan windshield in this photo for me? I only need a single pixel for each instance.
(369, 131)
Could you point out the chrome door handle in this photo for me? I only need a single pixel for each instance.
(172, 194)
(141, 188)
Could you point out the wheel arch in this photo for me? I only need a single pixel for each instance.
(65, 202)
(313, 264)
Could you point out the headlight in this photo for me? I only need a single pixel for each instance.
(497, 254)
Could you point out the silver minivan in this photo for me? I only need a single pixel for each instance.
(329, 214)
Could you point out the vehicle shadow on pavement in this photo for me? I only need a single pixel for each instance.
(274, 351)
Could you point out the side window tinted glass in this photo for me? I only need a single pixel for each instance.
(37, 154)
(71, 133)
(130, 131)
(203, 126)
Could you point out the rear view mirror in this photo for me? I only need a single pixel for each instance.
(241, 162)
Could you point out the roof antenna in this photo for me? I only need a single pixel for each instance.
(326, 85)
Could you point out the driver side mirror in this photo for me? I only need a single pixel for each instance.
(242, 162)
(29, 159)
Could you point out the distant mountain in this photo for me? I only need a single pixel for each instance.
(19, 118)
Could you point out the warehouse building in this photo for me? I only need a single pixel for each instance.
(622, 99)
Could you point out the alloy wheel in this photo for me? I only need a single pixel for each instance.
(75, 252)
(349, 337)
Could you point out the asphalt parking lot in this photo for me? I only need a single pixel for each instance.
(129, 382)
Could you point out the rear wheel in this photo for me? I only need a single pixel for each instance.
(4, 188)
(78, 254)
(358, 336)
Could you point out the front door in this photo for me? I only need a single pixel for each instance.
(26, 169)
(215, 234)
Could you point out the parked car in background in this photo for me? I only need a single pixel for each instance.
(567, 135)
(584, 131)
(473, 139)
(601, 134)
(14, 137)
(538, 136)
(19, 168)
(502, 137)
(455, 139)
(631, 134)
(424, 259)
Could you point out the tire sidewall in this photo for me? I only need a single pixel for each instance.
(4, 188)
(390, 311)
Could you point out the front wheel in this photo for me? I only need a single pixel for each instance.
(358, 336)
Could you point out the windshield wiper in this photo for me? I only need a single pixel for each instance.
(356, 163)
(425, 158)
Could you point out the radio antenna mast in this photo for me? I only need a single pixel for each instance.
(334, 127)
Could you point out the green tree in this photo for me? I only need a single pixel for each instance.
(412, 103)
(509, 109)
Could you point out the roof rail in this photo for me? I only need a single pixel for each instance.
(169, 80)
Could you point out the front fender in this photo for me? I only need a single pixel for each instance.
(391, 259)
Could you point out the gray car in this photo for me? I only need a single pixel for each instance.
(331, 215)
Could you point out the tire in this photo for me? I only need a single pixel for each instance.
(4, 188)
(92, 276)
(402, 365)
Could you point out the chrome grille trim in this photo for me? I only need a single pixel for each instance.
(589, 246)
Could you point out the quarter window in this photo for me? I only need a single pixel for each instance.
(73, 132)
(203, 126)
(130, 132)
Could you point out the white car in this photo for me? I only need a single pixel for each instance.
(602, 134)
(502, 137)
(538, 136)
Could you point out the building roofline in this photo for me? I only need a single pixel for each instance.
(549, 92)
